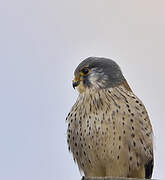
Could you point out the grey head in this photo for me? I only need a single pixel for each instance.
(98, 72)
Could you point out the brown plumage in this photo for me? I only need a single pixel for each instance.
(109, 131)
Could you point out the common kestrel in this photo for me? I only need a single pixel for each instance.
(109, 131)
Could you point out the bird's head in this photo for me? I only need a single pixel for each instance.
(97, 73)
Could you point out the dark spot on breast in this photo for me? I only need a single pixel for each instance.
(126, 100)
(131, 120)
(118, 157)
(133, 135)
(137, 101)
(119, 138)
(130, 158)
(133, 128)
(124, 132)
(77, 153)
(90, 107)
(68, 135)
(134, 143)
(129, 168)
(137, 108)
(132, 114)
(147, 134)
(129, 148)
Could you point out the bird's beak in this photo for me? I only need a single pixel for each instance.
(75, 82)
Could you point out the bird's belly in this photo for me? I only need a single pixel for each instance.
(97, 146)
(110, 138)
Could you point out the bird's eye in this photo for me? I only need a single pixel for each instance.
(85, 71)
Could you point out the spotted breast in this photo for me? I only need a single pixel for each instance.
(109, 134)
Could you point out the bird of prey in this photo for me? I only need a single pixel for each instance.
(109, 131)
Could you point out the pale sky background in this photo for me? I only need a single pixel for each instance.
(41, 43)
